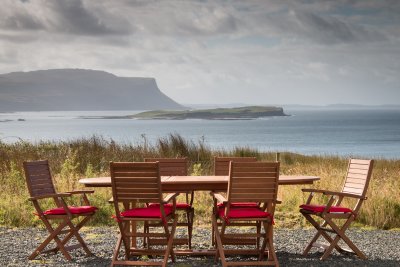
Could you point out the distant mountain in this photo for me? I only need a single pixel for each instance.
(78, 89)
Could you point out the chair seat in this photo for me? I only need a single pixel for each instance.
(72, 209)
(148, 212)
(243, 213)
(179, 206)
(321, 208)
(241, 205)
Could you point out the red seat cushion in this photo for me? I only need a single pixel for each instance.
(241, 205)
(179, 206)
(149, 212)
(321, 208)
(247, 212)
(72, 209)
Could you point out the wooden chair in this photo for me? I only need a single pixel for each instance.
(355, 187)
(178, 167)
(139, 183)
(248, 182)
(221, 164)
(41, 188)
(221, 167)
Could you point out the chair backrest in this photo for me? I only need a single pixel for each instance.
(135, 181)
(171, 166)
(359, 173)
(221, 164)
(253, 181)
(38, 178)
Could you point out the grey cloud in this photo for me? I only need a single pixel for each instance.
(326, 30)
(76, 18)
(21, 22)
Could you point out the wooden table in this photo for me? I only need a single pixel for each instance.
(198, 183)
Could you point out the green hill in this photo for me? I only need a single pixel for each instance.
(241, 113)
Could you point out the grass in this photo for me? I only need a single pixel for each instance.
(90, 157)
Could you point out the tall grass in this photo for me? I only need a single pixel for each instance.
(90, 157)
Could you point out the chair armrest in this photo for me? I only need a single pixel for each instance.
(169, 197)
(81, 192)
(311, 190)
(278, 201)
(332, 193)
(50, 196)
(219, 197)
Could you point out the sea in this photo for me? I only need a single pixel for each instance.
(368, 133)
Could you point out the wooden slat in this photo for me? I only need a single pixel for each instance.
(138, 195)
(138, 180)
(252, 190)
(355, 181)
(43, 191)
(353, 185)
(359, 166)
(137, 190)
(358, 171)
(352, 190)
(256, 180)
(237, 174)
(360, 161)
(357, 176)
(252, 197)
(128, 184)
(141, 173)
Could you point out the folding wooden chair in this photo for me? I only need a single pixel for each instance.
(355, 187)
(248, 182)
(139, 183)
(178, 167)
(221, 167)
(41, 187)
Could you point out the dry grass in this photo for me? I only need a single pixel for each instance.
(72, 160)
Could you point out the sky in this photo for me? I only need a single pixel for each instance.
(266, 52)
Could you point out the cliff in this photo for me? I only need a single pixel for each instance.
(78, 89)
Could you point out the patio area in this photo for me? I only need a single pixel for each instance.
(382, 248)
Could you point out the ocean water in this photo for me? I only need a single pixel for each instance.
(364, 133)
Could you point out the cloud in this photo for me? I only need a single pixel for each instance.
(262, 51)
(73, 17)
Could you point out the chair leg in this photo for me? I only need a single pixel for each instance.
(53, 236)
(169, 249)
(74, 231)
(258, 227)
(190, 217)
(269, 238)
(319, 233)
(116, 250)
(220, 248)
(340, 234)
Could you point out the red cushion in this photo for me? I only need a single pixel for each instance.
(72, 209)
(321, 208)
(149, 212)
(248, 212)
(182, 205)
(241, 204)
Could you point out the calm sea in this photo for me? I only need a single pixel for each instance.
(366, 133)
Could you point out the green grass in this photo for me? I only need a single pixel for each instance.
(75, 159)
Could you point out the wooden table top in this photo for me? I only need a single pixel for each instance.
(204, 182)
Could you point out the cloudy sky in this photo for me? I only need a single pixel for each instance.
(217, 52)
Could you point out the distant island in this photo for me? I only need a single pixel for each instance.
(240, 113)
